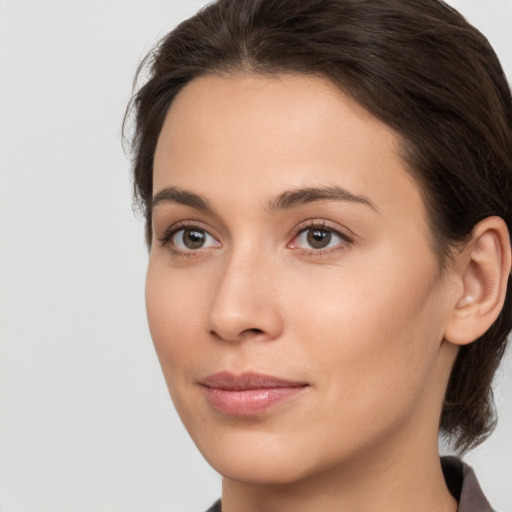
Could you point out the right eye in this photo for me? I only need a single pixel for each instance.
(191, 239)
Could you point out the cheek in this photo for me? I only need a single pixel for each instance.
(174, 322)
(172, 317)
(374, 335)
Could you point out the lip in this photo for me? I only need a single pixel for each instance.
(249, 393)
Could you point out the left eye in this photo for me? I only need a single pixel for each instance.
(190, 239)
(317, 237)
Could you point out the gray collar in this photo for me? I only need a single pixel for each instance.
(461, 480)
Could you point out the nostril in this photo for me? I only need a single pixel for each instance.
(246, 332)
(253, 331)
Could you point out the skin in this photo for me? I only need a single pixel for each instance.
(362, 322)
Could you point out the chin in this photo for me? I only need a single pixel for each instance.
(262, 470)
(261, 458)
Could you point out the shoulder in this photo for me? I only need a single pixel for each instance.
(215, 507)
(463, 484)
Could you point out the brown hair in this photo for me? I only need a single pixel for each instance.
(418, 66)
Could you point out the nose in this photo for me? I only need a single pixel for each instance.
(245, 302)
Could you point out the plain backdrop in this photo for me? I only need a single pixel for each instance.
(85, 420)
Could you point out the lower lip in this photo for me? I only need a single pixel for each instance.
(249, 402)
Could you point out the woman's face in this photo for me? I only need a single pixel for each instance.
(292, 293)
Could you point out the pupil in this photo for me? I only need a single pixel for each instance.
(193, 238)
(319, 238)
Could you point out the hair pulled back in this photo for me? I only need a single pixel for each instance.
(416, 65)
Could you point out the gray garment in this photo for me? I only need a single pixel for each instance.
(460, 480)
(215, 507)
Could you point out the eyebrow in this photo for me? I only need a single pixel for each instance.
(179, 196)
(301, 196)
(286, 200)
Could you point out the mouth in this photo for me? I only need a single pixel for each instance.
(248, 394)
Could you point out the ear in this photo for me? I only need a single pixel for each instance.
(483, 268)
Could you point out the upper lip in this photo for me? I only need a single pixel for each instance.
(248, 380)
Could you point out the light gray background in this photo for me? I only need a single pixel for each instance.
(85, 420)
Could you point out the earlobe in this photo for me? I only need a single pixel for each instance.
(483, 268)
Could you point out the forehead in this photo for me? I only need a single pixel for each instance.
(258, 135)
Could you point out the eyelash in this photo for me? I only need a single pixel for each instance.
(176, 228)
(310, 225)
(320, 225)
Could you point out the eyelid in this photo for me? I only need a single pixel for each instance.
(185, 224)
(324, 224)
(321, 224)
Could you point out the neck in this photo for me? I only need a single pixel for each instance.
(387, 482)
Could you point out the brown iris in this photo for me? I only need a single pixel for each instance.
(318, 238)
(193, 238)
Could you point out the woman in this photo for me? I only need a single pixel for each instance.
(326, 185)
